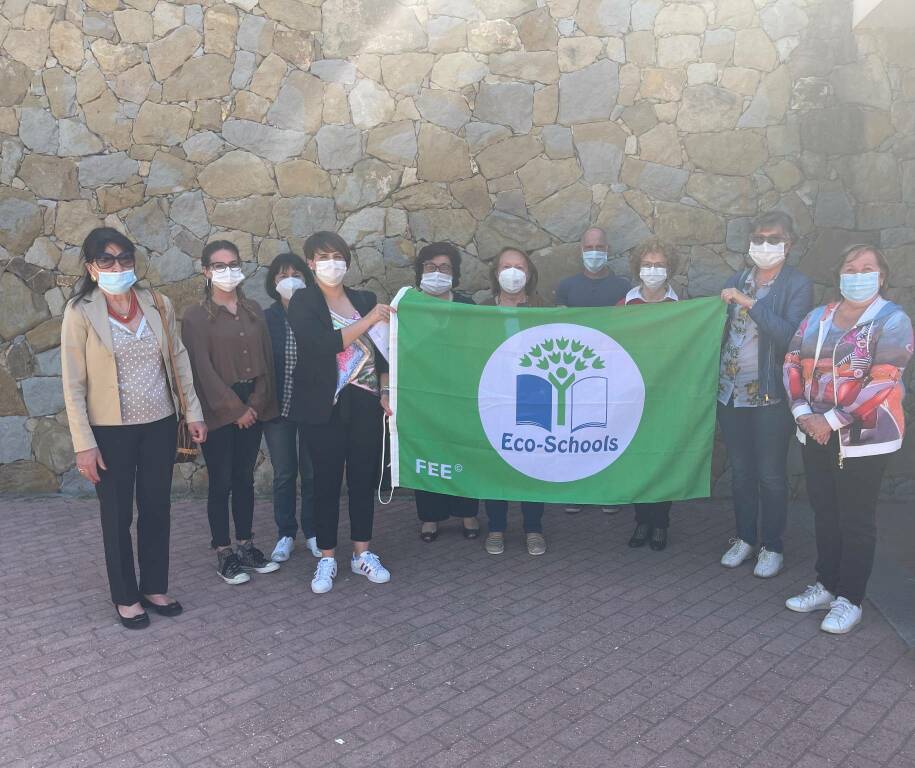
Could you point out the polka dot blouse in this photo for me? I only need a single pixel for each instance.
(142, 383)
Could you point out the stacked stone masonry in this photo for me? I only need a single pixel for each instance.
(482, 122)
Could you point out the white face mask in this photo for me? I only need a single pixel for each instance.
(766, 255)
(652, 277)
(436, 283)
(228, 279)
(512, 280)
(288, 286)
(594, 261)
(330, 271)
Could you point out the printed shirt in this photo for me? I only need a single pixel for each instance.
(292, 356)
(356, 363)
(739, 373)
(142, 384)
(852, 376)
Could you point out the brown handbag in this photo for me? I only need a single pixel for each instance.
(186, 449)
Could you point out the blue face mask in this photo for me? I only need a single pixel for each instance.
(859, 287)
(116, 282)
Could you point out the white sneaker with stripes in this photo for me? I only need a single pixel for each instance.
(369, 565)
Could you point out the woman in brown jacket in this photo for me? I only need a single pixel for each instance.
(120, 394)
(227, 339)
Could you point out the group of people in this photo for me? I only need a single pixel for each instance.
(306, 375)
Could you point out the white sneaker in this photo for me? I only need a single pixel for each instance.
(370, 566)
(815, 598)
(768, 564)
(738, 552)
(843, 617)
(283, 549)
(325, 574)
(312, 543)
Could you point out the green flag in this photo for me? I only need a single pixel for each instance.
(588, 406)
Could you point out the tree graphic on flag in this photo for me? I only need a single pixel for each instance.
(563, 361)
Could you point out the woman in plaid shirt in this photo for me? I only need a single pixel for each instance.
(288, 453)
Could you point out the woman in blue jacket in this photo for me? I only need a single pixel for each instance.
(766, 303)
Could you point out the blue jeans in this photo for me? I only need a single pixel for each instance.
(531, 514)
(290, 458)
(757, 442)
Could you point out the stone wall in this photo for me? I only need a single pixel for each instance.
(483, 122)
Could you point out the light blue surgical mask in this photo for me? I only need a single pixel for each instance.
(116, 283)
(594, 261)
(859, 286)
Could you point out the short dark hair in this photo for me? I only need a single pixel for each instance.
(327, 241)
(280, 263)
(532, 274)
(855, 250)
(778, 219)
(429, 252)
(94, 246)
(218, 245)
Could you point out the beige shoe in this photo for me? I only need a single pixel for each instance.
(495, 543)
(536, 544)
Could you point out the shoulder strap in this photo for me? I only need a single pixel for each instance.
(176, 382)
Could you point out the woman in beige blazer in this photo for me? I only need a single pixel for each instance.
(119, 390)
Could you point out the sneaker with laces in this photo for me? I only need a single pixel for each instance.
(815, 598)
(495, 542)
(536, 543)
(369, 565)
(738, 552)
(843, 617)
(768, 564)
(312, 543)
(229, 567)
(325, 574)
(283, 549)
(252, 559)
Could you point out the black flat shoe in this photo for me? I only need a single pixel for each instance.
(428, 536)
(471, 533)
(136, 622)
(172, 609)
(640, 535)
(658, 539)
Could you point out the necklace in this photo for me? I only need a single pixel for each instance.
(132, 309)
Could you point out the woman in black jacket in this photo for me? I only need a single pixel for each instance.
(438, 272)
(340, 396)
(285, 440)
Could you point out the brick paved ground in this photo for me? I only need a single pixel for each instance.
(594, 655)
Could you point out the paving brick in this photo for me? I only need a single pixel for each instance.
(659, 659)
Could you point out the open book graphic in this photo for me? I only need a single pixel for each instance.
(589, 403)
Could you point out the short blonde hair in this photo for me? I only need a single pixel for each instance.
(653, 245)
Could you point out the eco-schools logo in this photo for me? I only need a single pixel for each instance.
(560, 402)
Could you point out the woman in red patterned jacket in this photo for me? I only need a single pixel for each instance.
(843, 375)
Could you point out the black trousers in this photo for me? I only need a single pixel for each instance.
(350, 442)
(231, 453)
(655, 514)
(438, 507)
(844, 504)
(141, 457)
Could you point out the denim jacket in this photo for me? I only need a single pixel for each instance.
(777, 315)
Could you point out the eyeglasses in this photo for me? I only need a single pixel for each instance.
(770, 239)
(106, 260)
(219, 266)
(445, 269)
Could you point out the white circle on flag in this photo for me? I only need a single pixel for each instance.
(560, 402)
